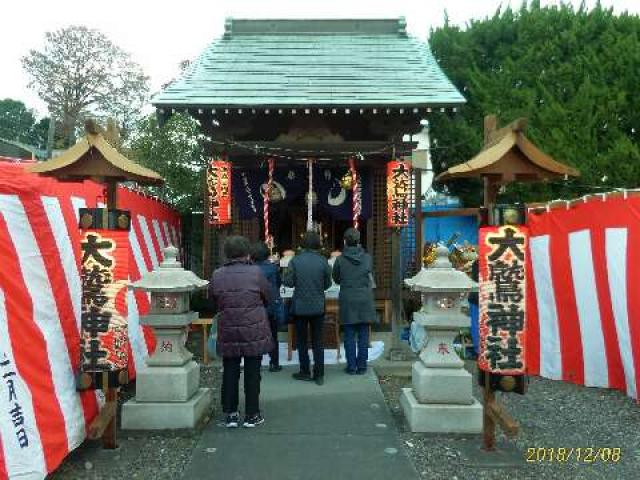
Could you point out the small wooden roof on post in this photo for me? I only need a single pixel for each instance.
(93, 158)
(507, 156)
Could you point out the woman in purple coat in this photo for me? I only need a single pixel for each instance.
(241, 293)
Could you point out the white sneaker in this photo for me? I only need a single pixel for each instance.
(253, 421)
(233, 420)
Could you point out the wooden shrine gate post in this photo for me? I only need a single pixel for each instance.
(103, 364)
(398, 198)
(491, 375)
(506, 157)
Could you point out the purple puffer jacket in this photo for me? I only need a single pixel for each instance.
(241, 292)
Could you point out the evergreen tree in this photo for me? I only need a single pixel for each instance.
(571, 72)
(175, 150)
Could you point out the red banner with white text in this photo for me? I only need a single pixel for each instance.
(219, 192)
(398, 193)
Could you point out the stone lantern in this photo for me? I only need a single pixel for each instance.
(441, 399)
(167, 391)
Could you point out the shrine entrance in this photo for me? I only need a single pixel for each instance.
(347, 96)
(289, 222)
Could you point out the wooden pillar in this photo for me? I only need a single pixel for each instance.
(489, 200)
(493, 413)
(206, 235)
(369, 227)
(490, 185)
(108, 414)
(396, 352)
(109, 438)
(490, 193)
(488, 425)
(418, 218)
(112, 194)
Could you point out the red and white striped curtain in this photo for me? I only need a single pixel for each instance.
(584, 304)
(42, 417)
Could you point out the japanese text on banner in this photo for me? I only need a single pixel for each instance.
(105, 256)
(15, 411)
(502, 260)
(219, 192)
(398, 193)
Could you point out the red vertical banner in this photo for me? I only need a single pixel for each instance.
(502, 277)
(105, 272)
(219, 192)
(398, 191)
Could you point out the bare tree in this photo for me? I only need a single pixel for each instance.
(81, 72)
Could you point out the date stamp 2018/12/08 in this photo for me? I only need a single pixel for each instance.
(577, 454)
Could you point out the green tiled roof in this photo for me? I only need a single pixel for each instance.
(270, 63)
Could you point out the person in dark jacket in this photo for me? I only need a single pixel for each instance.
(271, 272)
(309, 273)
(241, 293)
(353, 272)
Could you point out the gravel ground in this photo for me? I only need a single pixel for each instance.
(551, 414)
(142, 454)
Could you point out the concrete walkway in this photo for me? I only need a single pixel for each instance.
(341, 430)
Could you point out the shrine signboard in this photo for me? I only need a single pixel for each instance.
(398, 191)
(104, 272)
(219, 192)
(502, 279)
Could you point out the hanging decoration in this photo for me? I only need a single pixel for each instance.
(310, 195)
(268, 238)
(502, 272)
(313, 196)
(357, 193)
(249, 186)
(346, 182)
(219, 192)
(398, 190)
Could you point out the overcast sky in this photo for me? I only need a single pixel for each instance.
(160, 34)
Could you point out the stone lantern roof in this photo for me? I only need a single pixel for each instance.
(441, 276)
(170, 276)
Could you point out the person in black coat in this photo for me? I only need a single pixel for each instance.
(241, 292)
(353, 272)
(309, 273)
(271, 272)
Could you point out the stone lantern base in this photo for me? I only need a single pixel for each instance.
(139, 415)
(167, 397)
(167, 389)
(440, 417)
(441, 400)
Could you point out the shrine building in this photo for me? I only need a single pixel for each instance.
(294, 103)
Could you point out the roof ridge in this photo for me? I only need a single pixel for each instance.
(320, 26)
